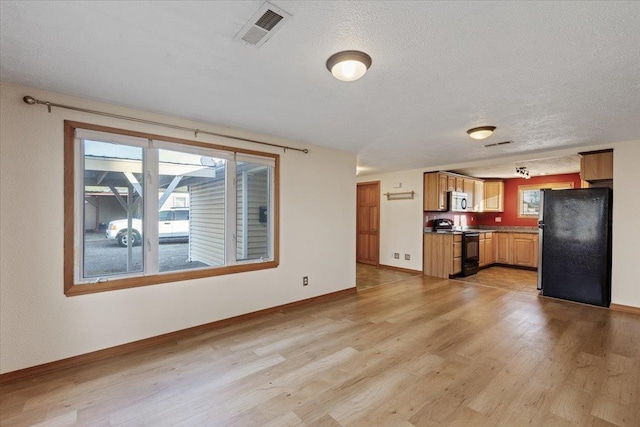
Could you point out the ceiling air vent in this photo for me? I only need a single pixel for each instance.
(498, 143)
(260, 28)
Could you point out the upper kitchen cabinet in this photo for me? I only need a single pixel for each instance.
(469, 188)
(478, 196)
(435, 191)
(596, 166)
(493, 196)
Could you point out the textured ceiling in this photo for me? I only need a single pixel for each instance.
(536, 167)
(549, 75)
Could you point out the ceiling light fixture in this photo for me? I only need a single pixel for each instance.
(348, 65)
(481, 132)
(522, 172)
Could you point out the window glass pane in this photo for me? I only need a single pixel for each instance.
(253, 207)
(192, 206)
(113, 206)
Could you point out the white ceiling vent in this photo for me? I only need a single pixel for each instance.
(260, 28)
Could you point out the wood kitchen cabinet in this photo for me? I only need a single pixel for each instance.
(493, 196)
(478, 196)
(442, 254)
(501, 248)
(519, 249)
(435, 191)
(451, 183)
(596, 166)
(524, 249)
(486, 250)
(469, 188)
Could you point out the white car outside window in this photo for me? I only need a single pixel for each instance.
(172, 224)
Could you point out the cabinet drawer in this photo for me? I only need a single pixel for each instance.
(457, 265)
(457, 249)
(524, 236)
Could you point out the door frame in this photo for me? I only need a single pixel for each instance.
(358, 184)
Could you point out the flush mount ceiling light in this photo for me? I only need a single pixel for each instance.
(348, 65)
(481, 132)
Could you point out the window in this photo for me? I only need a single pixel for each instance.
(149, 209)
(529, 197)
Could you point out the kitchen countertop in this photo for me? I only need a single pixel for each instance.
(526, 230)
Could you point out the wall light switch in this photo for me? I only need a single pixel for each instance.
(397, 185)
(498, 219)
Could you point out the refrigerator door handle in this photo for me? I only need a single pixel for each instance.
(540, 238)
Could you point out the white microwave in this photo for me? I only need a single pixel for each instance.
(457, 201)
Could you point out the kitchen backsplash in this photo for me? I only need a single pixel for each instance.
(460, 219)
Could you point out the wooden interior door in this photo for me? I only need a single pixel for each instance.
(368, 223)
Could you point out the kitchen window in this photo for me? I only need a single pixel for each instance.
(123, 227)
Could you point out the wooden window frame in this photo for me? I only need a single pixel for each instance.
(71, 288)
(538, 187)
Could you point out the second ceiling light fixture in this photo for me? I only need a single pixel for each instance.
(348, 65)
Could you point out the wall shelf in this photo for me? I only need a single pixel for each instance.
(406, 195)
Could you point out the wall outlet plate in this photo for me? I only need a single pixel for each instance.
(396, 255)
(407, 257)
(305, 280)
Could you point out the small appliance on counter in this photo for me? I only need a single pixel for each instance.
(442, 224)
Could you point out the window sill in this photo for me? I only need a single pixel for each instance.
(74, 289)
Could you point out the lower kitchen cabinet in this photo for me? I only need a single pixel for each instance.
(501, 248)
(442, 254)
(486, 249)
(524, 249)
(519, 249)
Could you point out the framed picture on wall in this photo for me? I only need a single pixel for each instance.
(529, 197)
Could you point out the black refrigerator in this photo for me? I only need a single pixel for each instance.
(575, 245)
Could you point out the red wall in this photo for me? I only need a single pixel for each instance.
(510, 214)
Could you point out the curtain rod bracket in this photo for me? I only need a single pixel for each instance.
(30, 100)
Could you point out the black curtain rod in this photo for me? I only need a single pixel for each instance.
(31, 101)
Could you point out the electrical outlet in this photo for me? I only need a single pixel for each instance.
(396, 255)
(305, 280)
(407, 257)
(498, 219)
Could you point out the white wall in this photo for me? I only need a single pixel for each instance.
(400, 220)
(38, 324)
(626, 225)
(401, 223)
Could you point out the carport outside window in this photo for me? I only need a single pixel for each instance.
(151, 211)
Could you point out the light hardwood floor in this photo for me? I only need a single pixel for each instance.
(420, 351)
(369, 276)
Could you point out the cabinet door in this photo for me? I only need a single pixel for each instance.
(435, 194)
(451, 183)
(469, 188)
(482, 251)
(443, 182)
(478, 196)
(488, 249)
(493, 196)
(501, 248)
(459, 184)
(596, 166)
(523, 247)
